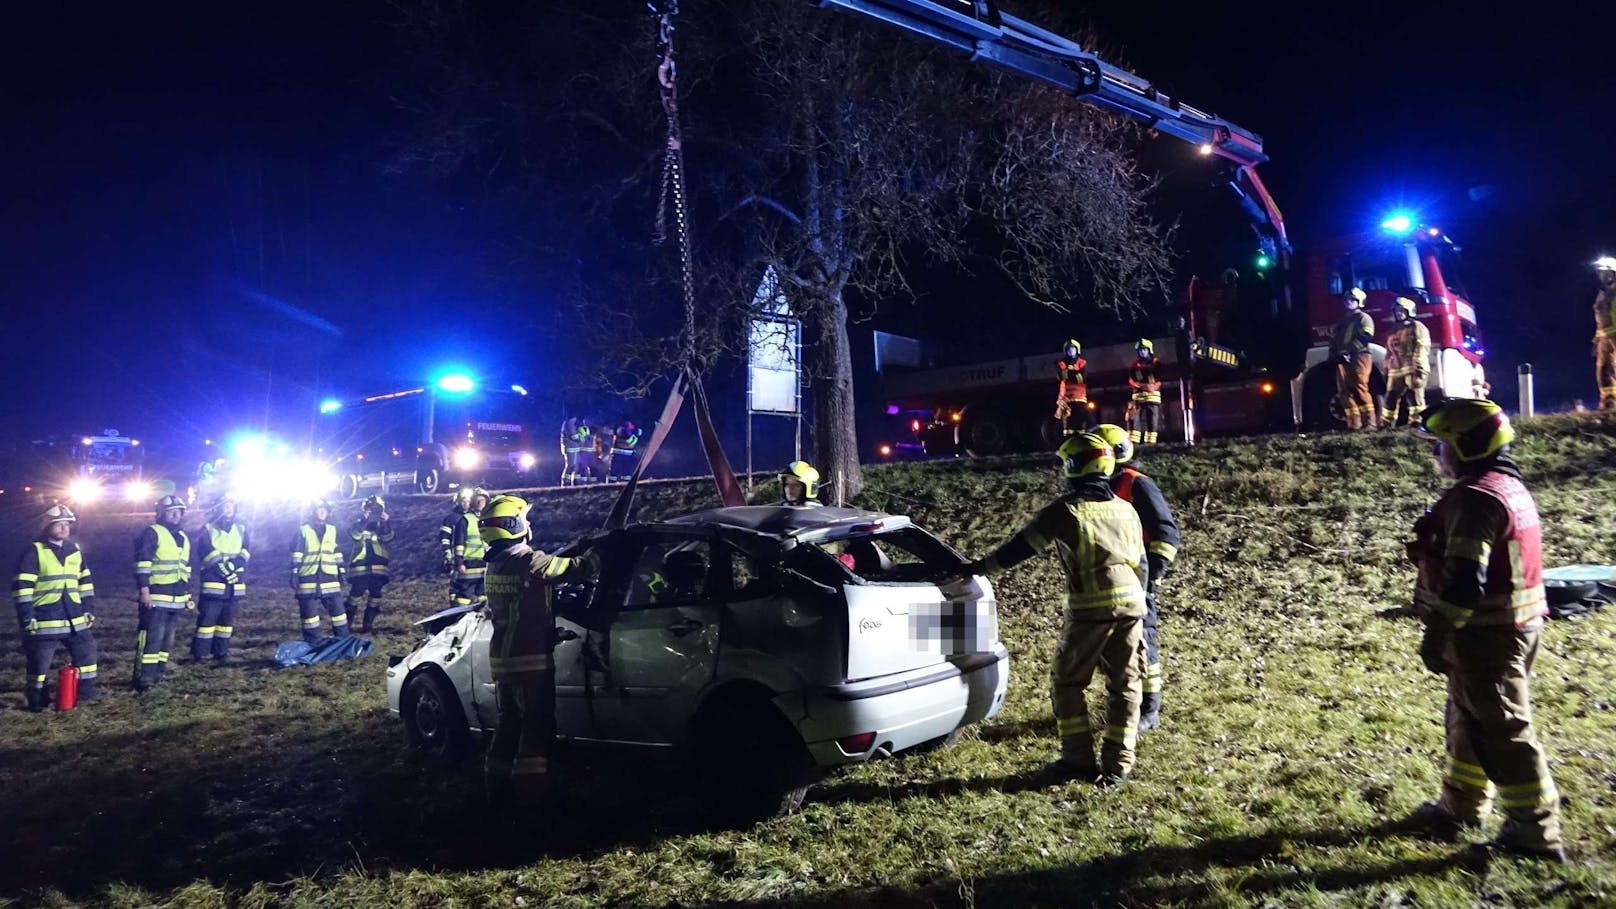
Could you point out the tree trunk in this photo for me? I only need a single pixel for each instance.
(835, 439)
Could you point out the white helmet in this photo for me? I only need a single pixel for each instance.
(1605, 263)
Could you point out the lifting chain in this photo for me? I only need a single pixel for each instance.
(673, 171)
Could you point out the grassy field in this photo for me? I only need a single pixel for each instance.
(1299, 728)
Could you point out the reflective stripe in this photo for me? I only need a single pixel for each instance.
(223, 631)
(1166, 550)
(311, 621)
(88, 671)
(1540, 793)
(206, 631)
(171, 563)
(1469, 548)
(1466, 776)
(534, 662)
(1073, 725)
(319, 555)
(57, 579)
(150, 659)
(556, 567)
(1126, 736)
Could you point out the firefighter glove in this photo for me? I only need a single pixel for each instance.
(1159, 566)
(1432, 646)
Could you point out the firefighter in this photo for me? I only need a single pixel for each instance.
(163, 587)
(1102, 549)
(601, 455)
(54, 595)
(466, 584)
(520, 583)
(456, 516)
(1605, 331)
(372, 534)
(223, 549)
(625, 449)
(317, 573)
(799, 485)
(1161, 547)
(1072, 399)
(1349, 351)
(1480, 593)
(1145, 380)
(1408, 364)
(576, 436)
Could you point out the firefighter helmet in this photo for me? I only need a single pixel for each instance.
(316, 505)
(374, 503)
(167, 502)
(1605, 263)
(1355, 296)
(505, 518)
(57, 514)
(1405, 306)
(463, 496)
(1146, 345)
(1474, 427)
(1072, 349)
(1119, 440)
(804, 473)
(1086, 454)
(219, 505)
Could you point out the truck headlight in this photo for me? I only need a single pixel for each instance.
(467, 458)
(137, 491)
(84, 489)
(526, 460)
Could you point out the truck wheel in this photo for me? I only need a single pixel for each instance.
(1321, 409)
(433, 722)
(348, 488)
(985, 436)
(427, 480)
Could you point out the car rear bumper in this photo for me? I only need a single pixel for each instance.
(905, 709)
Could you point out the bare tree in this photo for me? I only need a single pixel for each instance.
(822, 147)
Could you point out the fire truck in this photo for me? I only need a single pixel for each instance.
(88, 469)
(1220, 388)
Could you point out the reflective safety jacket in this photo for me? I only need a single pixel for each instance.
(446, 532)
(1101, 547)
(521, 582)
(223, 554)
(163, 565)
(1073, 387)
(1352, 334)
(1155, 517)
(371, 551)
(1146, 381)
(1480, 556)
(469, 548)
(1408, 351)
(52, 590)
(316, 560)
(626, 441)
(1605, 315)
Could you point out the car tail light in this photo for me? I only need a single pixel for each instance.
(914, 425)
(857, 743)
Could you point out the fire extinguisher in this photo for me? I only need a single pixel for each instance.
(67, 688)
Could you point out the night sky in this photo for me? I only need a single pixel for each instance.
(199, 228)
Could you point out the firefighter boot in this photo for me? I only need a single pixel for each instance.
(351, 608)
(371, 612)
(1150, 710)
(88, 691)
(37, 699)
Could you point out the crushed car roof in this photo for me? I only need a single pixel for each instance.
(788, 521)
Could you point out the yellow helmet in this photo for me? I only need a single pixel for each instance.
(1119, 440)
(463, 496)
(505, 518)
(1357, 295)
(1086, 454)
(1072, 348)
(1147, 345)
(1405, 304)
(1474, 427)
(804, 473)
(1605, 263)
(55, 515)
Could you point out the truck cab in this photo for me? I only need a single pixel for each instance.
(1418, 263)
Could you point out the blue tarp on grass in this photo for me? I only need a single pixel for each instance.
(326, 650)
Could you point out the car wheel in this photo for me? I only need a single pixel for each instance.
(752, 760)
(427, 480)
(985, 436)
(433, 721)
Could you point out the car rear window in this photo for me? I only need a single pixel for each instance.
(905, 555)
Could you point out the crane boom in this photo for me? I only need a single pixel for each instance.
(978, 29)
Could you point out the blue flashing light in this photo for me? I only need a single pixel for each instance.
(1398, 223)
(249, 448)
(456, 383)
(519, 390)
(330, 405)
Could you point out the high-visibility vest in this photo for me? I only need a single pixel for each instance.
(1072, 385)
(1513, 591)
(318, 562)
(473, 551)
(1144, 382)
(55, 594)
(372, 554)
(169, 577)
(224, 544)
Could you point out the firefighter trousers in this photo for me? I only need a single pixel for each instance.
(215, 623)
(1073, 415)
(519, 755)
(1146, 422)
(309, 608)
(1605, 371)
(468, 591)
(1352, 387)
(1407, 390)
(41, 649)
(1491, 745)
(1151, 684)
(1113, 647)
(153, 642)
